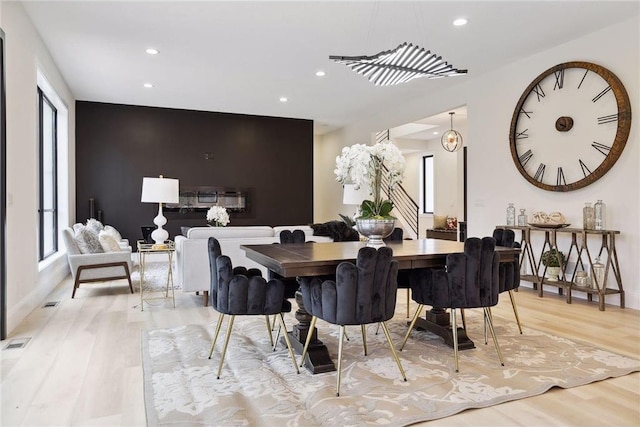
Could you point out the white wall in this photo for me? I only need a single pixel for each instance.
(493, 180)
(26, 286)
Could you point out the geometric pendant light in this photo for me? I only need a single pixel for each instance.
(400, 65)
(452, 139)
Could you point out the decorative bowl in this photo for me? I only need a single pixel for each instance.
(375, 230)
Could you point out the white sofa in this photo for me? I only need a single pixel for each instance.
(192, 256)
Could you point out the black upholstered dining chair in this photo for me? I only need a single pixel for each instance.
(509, 274)
(469, 281)
(403, 275)
(361, 294)
(239, 292)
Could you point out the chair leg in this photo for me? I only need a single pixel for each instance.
(393, 350)
(273, 322)
(126, 269)
(484, 327)
(269, 330)
(411, 325)
(226, 343)
(286, 339)
(215, 336)
(312, 325)
(515, 309)
(273, 325)
(454, 330)
(76, 285)
(340, 343)
(364, 338)
(408, 300)
(487, 315)
(464, 320)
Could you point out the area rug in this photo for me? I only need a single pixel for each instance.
(259, 387)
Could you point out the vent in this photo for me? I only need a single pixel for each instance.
(17, 343)
(50, 304)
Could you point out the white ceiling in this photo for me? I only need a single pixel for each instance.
(242, 56)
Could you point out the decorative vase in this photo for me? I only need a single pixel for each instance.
(553, 273)
(375, 230)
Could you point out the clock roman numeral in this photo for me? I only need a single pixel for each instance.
(582, 79)
(559, 79)
(525, 157)
(539, 176)
(538, 91)
(604, 149)
(601, 94)
(560, 180)
(522, 135)
(585, 170)
(526, 113)
(607, 119)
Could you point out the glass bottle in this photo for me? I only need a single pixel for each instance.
(511, 215)
(599, 209)
(522, 218)
(597, 274)
(588, 217)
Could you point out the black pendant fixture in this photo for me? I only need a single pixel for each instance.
(400, 65)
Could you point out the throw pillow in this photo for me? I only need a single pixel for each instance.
(92, 242)
(94, 226)
(439, 222)
(452, 223)
(337, 230)
(79, 239)
(112, 232)
(108, 243)
(77, 226)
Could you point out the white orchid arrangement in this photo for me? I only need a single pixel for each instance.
(218, 216)
(361, 165)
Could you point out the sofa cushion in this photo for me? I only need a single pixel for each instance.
(111, 231)
(229, 232)
(87, 242)
(108, 243)
(308, 231)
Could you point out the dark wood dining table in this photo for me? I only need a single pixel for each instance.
(304, 260)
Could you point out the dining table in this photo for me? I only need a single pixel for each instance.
(309, 260)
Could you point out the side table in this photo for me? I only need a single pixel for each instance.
(168, 248)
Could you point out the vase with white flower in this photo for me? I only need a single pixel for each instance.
(217, 216)
(363, 165)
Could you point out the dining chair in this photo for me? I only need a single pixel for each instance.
(362, 293)
(403, 275)
(509, 274)
(469, 281)
(241, 292)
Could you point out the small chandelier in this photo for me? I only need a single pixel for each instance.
(451, 139)
(399, 65)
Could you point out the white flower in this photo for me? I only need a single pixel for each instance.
(218, 215)
(361, 165)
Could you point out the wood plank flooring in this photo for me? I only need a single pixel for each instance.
(83, 365)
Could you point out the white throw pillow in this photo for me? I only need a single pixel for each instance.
(79, 238)
(112, 232)
(108, 243)
(91, 242)
(94, 226)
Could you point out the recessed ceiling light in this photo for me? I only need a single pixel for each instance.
(436, 132)
(320, 73)
(459, 22)
(152, 51)
(148, 85)
(283, 99)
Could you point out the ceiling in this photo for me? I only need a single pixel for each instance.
(242, 56)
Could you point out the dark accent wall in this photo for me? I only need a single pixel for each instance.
(118, 145)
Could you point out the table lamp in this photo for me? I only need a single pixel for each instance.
(351, 196)
(160, 190)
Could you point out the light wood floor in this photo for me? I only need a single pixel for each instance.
(82, 366)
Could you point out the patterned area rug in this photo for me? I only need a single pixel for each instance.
(260, 387)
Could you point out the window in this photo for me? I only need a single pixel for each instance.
(48, 177)
(427, 184)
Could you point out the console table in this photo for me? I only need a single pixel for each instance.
(578, 247)
(443, 234)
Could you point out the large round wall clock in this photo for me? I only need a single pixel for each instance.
(570, 126)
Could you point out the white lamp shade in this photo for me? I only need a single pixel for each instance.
(160, 190)
(351, 196)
